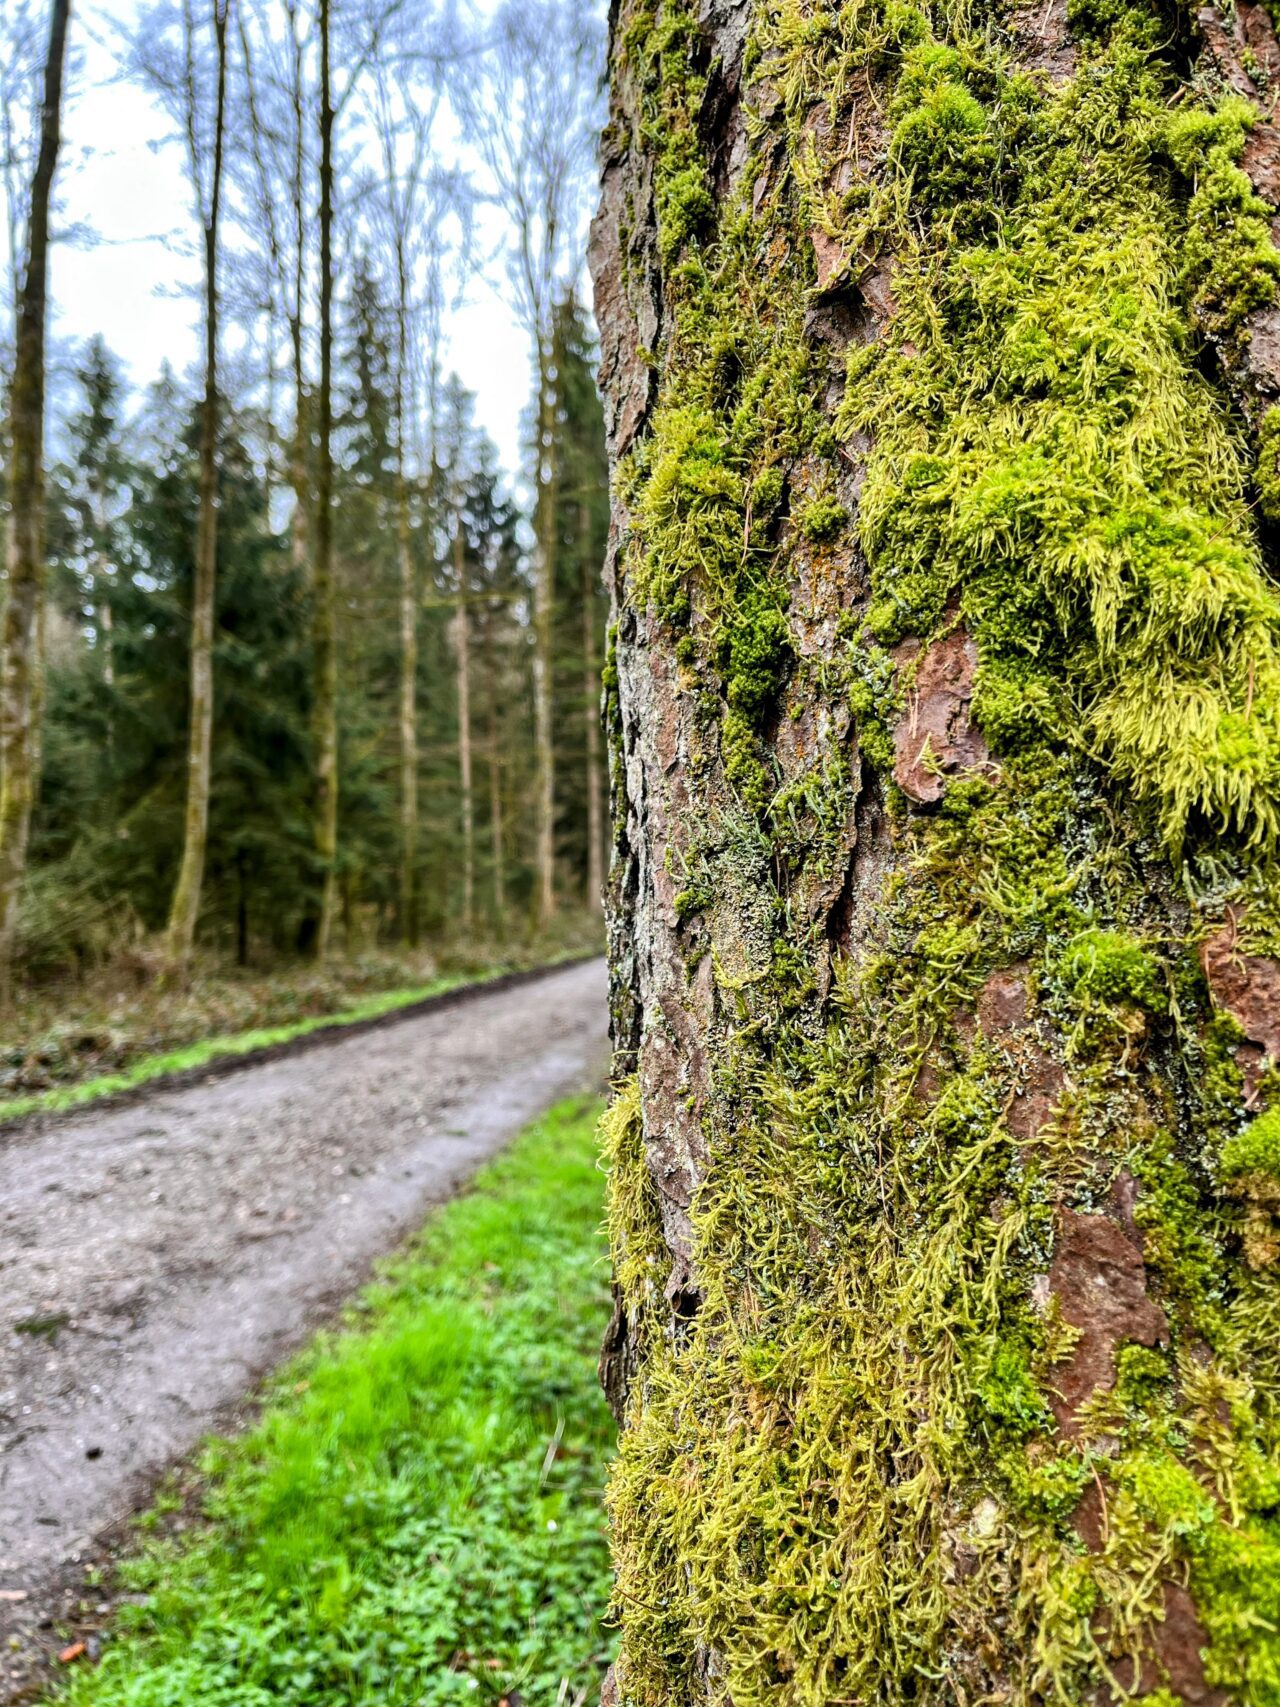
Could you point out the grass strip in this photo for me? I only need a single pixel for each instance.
(417, 1518)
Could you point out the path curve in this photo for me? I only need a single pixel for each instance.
(157, 1258)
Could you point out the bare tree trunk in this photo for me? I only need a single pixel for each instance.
(408, 613)
(543, 646)
(408, 711)
(462, 653)
(185, 906)
(591, 713)
(298, 469)
(497, 831)
(942, 720)
(26, 567)
(325, 738)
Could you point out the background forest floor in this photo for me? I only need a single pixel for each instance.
(416, 1518)
(124, 1021)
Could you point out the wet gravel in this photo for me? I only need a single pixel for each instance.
(157, 1259)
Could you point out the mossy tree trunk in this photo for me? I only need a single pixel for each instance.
(20, 662)
(940, 350)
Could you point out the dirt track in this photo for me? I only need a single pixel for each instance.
(156, 1259)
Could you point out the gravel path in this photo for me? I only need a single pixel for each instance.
(156, 1259)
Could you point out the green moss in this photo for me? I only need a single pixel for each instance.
(1266, 474)
(640, 1258)
(823, 519)
(1230, 266)
(685, 207)
(1256, 1149)
(1047, 457)
(1109, 967)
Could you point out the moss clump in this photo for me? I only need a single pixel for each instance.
(1230, 266)
(1047, 458)
(1109, 967)
(823, 519)
(640, 1257)
(1266, 474)
(1255, 1150)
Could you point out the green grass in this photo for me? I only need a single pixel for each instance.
(417, 1517)
(209, 1049)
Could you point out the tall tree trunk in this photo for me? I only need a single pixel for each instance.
(544, 644)
(325, 734)
(493, 744)
(944, 729)
(462, 654)
(299, 478)
(408, 626)
(408, 712)
(185, 906)
(20, 666)
(591, 713)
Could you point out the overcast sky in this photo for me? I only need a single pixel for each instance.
(132, 273)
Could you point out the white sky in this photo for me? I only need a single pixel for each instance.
(133, 273)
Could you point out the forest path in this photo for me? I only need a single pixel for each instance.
(156, 1259)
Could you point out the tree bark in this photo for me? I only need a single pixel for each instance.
(185, 907)
(943, 717)
(324, 637)
(544, 645)
(19, 689)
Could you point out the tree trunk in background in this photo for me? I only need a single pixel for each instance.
(496, 816)
(324, 639)
(408, 702)
(943, 712)
(544, 646)
(19, 671)
(185, 906)
(298, 473)
(591, 712)
(462, 654)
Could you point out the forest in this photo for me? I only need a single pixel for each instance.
(808, 824)
(295, 667)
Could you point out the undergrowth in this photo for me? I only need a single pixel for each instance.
(120, 1028)
(416, 1518)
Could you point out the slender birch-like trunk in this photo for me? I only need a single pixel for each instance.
(184, 909)
(408, 710)
(544, 645)
(324, 637)
(462, 655)
(493, 745)
(20, 666)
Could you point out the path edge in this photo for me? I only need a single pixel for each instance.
(223, 1066)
